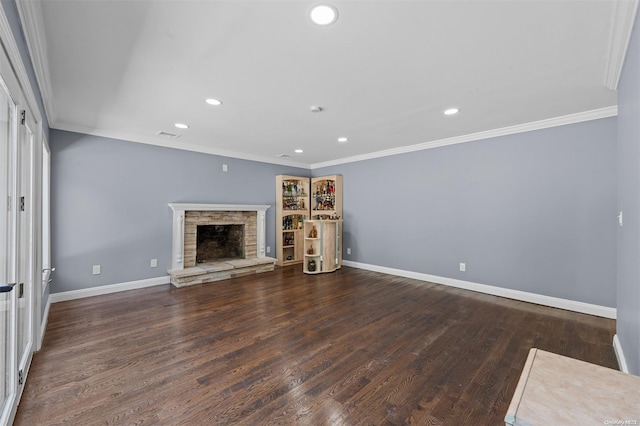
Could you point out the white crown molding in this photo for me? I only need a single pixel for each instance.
(33, 26)
(606, 112)
(107, 289)
(611, 111)
(519, 128)
(554, 302)
(622, 20)
(9, 42)
(617, 348)
(176, 145)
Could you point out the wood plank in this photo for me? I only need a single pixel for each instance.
(349, 347)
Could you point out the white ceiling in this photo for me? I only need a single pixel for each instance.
(383, 73)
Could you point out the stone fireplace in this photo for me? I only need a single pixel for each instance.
(213, 242)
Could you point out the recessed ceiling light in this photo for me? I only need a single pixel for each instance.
(451, 111)
(299, 151)
(323, 14)
(342, 139)
(181, 126)
(212, 101)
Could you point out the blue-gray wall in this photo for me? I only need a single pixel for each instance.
(110, 203)
(532, 211)
(628, 324)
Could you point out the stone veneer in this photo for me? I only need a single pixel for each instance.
(186, 218)
(194, 218)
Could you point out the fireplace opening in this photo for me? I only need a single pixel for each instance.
(218, 242)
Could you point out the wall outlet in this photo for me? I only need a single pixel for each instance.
(348, 250)
(96, 269)
(268, 249)
(463, 267)
(225, 168)
(154, 263)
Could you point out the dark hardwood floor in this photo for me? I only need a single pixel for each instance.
(348, 348)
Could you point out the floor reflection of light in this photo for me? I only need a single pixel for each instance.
(261, 299)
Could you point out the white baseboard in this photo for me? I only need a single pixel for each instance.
(107, 289)
(617, 347)
(554, 302)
